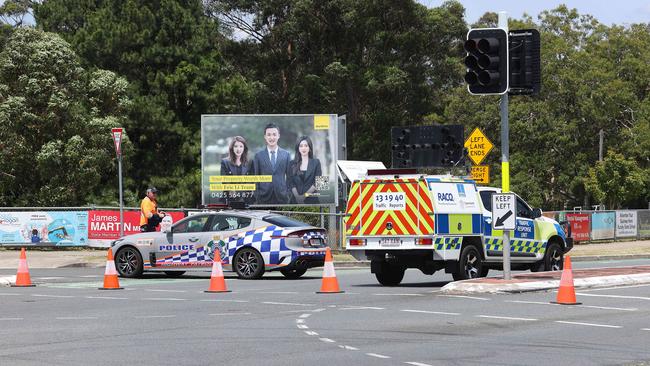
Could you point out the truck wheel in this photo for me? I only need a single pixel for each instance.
(553, 259)
(470, 264)
(390, 275)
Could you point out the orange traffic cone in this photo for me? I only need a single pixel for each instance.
(110, 274)
(566, 295)
(22, 275)
(330, 284)
(217, 281)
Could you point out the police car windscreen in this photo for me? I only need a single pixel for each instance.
(284, 221)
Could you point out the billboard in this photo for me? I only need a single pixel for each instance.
(61, 228)
(603, 225)
(104, 225)
(626, 222)
(580, 226)
(269, 160)
(644, 223)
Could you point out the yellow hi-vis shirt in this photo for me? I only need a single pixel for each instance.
(147, 206)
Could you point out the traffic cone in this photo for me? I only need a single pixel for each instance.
(22, 275)
(217, 281)
(566, 295)
(110, 274)
(330, 284)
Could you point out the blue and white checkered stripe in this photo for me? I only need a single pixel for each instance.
(313, 235)
(199, 254)
(272, 249)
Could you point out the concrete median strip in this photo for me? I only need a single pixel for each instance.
(474, 287)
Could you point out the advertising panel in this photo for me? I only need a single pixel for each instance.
(269, 160)
(104, 225)
(625, 223)
(603, 225)
(61, 228)
(579, 226)
(643, 217)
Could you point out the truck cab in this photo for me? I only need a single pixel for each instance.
(400, 221)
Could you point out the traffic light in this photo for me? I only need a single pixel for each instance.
(487, 61)
(426, 146)
(525, 62)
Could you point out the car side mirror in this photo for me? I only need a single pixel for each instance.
(537, 212)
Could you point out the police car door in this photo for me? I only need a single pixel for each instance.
(184, 246)
(222, 227)
(523, 245)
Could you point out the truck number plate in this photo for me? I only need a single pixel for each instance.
(390, 242)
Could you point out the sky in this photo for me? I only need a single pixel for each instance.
(623, 12)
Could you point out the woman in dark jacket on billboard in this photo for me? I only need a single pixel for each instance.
(304, 169)
(235, 164)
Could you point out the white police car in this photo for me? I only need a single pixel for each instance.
(249, 242)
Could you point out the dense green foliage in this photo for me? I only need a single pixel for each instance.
(155, 66)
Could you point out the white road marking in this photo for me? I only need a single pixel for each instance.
(590, 324)
(362, 308)
(218, 300)
(11, 319)
(318, 310)
(107, 298)
(226, 314)
(579, 306)
(398, 294)
(428, 312)
(614, 296)
(467, 297)
(154, 316)
(417, 363)
(506, 318)
(280, 292)
(285, 303)
(91, 276)
(164, 299)
(645, 328)
(9, 294)
(48, 278)
(311, 333)
(305, 316)
(76, 317)
(327, 340)
(349, 348)
(613, 288)
(57, 296)
(302, 326)
(152, 290)
(376, 355)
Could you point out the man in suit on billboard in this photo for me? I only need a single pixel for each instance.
(273, 161)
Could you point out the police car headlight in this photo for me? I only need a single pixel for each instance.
(115, 242)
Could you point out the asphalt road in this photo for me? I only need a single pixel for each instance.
(65, 320)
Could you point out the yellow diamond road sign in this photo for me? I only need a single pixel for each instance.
(478, 146)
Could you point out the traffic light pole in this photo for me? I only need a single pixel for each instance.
(505, 158)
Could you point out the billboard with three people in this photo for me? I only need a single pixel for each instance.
(269, 160)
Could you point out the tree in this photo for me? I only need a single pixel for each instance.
(617, 181)
(55, 120)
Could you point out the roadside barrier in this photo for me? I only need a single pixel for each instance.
(330, 284)
(110, 274)
(22, 275)
(566, 295)
(217, 281)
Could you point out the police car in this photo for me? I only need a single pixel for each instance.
(249, 243)
(404, 220)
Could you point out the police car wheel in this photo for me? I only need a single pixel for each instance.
(248, 264)
(470, 264)
(174, 273)
(390, 275)
(293, 273)
(554, 258)
(128, 262)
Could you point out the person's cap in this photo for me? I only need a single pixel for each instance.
(153, 190)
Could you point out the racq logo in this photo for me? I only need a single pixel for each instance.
(8, 220)
(445, 197)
